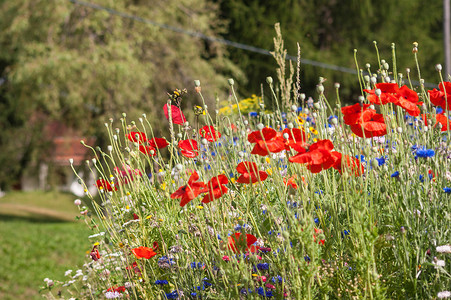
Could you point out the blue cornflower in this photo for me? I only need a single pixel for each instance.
(361, 158)
(173, 295)
(193, 294)
(238, 227)
(253, 114)
(316, 220)
(306, 258)
(161, 282)
(395, 175)
(205, 282)
(344, 233)
(277, 279)
(263, 266)
(380, 160)
(261, 291)
(447, 190)
(424, 153)
(421, 178)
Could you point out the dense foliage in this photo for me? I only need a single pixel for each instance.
(75, 64)
(312, 201)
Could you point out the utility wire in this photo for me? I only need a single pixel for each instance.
(224, 41)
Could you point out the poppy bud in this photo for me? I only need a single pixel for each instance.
(334, 121)
(245, 122)
(373, 80)
(260, 126)
(386, 66)
(387, 79)
(316, 105)
(378, 92)
(196, 83)
(337, 85)
(290, 125)
(294, 108)
(231, 81)
(320, 88)
(361, 99)
(269, 80)
(374, 163)
(302, 96)
(367, 66)
(366, 78)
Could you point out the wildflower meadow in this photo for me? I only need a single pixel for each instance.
(281, 195)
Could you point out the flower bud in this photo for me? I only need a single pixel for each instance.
(367, 66)
(197, 83)
(269, 80)
(317, 105)
(290, 125)
(302, 96)
(378, 92)
(373, 80)
(387, 79)
(334, 121)
(231, 81)
(294, 107)
(366, 78)
(399, 129)
(286, 136)
(438, 67)
(361, 99)
(386, 66)
(71, 161)
(374, 163)
(179, 135)
(337, 85)
(109, 148)
(320, 88)
(260, 126)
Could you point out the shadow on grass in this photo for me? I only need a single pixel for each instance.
(33, 219)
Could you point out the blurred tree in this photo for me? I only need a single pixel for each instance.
(329, 31)
(80, 66)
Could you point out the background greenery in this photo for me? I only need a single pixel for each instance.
(38, 239)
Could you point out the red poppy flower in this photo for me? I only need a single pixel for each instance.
(209, 133)
(441, 97)
(216, 188)
(137, 137)
(250, 173)
(127, 174)
(291, 181)
(391, 93)
(296, 138)
(119, 289)
(239, 243)
(351, 163)
(317, 157)
(148, 150)
(267, 140)
(388, 93)
(318, 233)
(371, 124)
(158, 143)
(190, 191)
(444, 121)
(189, 148)
(364, 120)
(102, 184)
(176, 114)
(143, 252)
(353, 113)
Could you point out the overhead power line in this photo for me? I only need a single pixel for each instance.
(223, 41)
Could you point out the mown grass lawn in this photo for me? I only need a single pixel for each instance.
(39, 238)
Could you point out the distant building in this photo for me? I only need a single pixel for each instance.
(54, 170)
